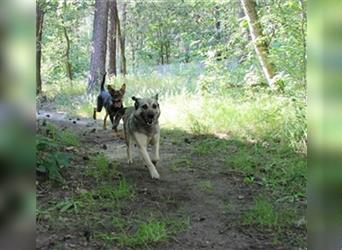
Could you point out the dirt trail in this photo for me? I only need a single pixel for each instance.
(181, 192)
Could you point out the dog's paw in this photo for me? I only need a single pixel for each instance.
(129, 161)
(155, 175)
(155, 162)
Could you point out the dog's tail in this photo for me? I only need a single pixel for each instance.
(103, 81)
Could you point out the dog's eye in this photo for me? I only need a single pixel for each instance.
(154, 106)
(144, 106)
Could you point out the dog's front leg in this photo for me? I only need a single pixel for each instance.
(155, 149)
(129, 150)
(141, 140)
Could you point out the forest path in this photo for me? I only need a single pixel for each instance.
(194, 187)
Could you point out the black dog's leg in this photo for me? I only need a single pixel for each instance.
(99, 105)
(111, 118)
(117, 119)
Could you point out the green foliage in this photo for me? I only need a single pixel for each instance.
(181, 164)
(206, 186)
(147, 233)
(68, 138)
(265, 214)
(116, 191)
(100, 168)
(50, 159)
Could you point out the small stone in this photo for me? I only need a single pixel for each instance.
(104, 146)
(44, 123)
(187, 140)
(201, 219)
(85, 157)
(240, 197)
(47, 115)
(78, 119)
(93, 130)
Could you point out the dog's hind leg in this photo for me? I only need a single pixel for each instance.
(155, 149)
(141, 140)
(105, 121)
(94, 114)
(99, 105)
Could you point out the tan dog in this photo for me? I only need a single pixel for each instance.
(141, 126)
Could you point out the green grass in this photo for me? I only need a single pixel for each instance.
(100, 168)
(120, 190)
(265, 214)
(68, 138)
(148, 232)
(210, 146)
(206, 186)
(277, 168)
(181, 164)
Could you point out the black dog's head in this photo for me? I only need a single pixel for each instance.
(147, 109)
(117, 95)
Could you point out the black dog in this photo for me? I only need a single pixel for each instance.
(111, 100)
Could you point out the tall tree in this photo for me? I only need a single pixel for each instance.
(67, 40)
(39, 34)
(99, 43)
(121, 42)
(260, 46)
(123, 39)
(112, 37)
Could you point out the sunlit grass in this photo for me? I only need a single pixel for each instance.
(252, 114)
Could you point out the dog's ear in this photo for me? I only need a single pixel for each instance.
(156, 97)
(123, 89)
(136, 102)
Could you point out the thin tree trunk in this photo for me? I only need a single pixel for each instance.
(67, 54)
(162, 52)
(67, 51)
(112, 39)
(121, 42)
(123, 39)
(261, 49)
(99, 44)
(39, 35)
(303, 30)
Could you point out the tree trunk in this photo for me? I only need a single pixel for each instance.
(99, 44)
(39, 34)
(303, 31)
(67, 54)
(123, 39)
(67, 51)
(261, 49)
(121, 42)
(112, 39)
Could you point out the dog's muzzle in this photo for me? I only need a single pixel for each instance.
(117, 103)
(149, 119)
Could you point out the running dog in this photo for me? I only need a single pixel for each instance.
(141, 127)
(111, 100)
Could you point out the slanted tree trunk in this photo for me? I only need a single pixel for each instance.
(112, 37)
(39, 35)
(99, 44)
(261, 49)
(67, 51)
